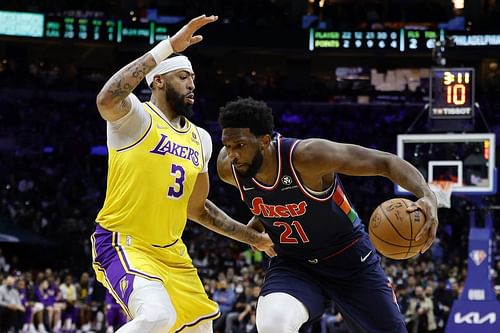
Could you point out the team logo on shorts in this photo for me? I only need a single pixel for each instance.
(123, 285)
(286, 180)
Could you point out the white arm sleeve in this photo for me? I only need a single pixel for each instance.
(206, 143)
(129, 128)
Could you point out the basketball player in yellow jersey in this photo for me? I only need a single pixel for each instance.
(157, 179)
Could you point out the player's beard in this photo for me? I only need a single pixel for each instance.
(177, 102)
(254, 166)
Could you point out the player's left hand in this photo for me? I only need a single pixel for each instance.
(428, 206)
(185, 37)
(265, 245)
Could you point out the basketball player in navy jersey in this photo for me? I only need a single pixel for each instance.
(322, 251)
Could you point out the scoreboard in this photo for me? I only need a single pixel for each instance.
(451, 93)
(22, 24)
(88, 29)
(80, 29)
(71, 28)
(402, 40)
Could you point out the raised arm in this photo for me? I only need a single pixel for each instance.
(206, 213)
(113, 101)
(317, 157)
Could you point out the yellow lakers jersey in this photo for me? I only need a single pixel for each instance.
(150, 181)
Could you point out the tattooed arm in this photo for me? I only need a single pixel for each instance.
(206, 213)
(113, 101)
(216, 220)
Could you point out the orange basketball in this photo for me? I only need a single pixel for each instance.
(392, 230)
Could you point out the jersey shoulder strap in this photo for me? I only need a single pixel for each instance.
(286, 147)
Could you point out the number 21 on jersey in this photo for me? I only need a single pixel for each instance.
(286, 235)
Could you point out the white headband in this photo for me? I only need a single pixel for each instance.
(168, 65)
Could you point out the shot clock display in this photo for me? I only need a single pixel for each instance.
(452, 93)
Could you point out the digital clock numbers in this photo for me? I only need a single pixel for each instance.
(452, 92)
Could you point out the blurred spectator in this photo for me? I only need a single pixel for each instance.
(115, 317)
(69, 297)
(443, 300)
(240, 317)
(28, 303)
(420, 313)
(84, 291)
(225, 297)
(43, 304)
(11, 309)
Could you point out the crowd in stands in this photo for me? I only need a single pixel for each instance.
(58, 301)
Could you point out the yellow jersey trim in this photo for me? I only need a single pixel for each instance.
(97, 265)
(113, 293)
(157, 111)
(125, 263)
(201, 148)
(198, 320)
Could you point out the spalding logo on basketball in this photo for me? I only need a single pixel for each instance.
(375, 221)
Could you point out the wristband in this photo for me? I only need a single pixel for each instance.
(162, 50)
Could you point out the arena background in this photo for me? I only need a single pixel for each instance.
(53, 159)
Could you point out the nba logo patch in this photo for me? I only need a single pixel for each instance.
(286, 180)
(477, 256)
(123, 285)
(194, 138)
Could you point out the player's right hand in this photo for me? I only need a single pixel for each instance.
(428, 205)
(184, 37)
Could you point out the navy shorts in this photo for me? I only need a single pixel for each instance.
(353, 280)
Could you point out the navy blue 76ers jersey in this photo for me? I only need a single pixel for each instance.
(302, 225)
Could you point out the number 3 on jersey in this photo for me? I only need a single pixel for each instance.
(176, 191)
(286, 238)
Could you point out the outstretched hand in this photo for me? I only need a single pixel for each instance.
(266, 245)
(428, 205)
(184, 37)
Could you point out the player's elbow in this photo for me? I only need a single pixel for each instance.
(109, 107)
